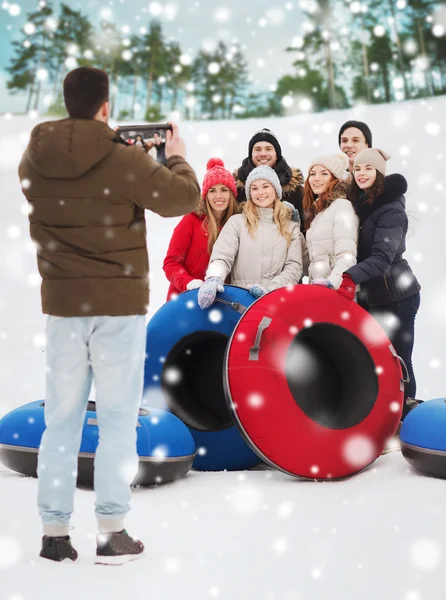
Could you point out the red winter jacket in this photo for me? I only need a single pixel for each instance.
(187, 257)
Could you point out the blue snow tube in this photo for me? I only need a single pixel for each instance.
(165, 447)
(185, 352)
(423, 437)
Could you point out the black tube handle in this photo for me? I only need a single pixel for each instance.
(255, 350)
(406, 376)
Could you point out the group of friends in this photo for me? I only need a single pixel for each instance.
(262, 227)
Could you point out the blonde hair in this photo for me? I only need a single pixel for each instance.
(210, 223)
(281, 217)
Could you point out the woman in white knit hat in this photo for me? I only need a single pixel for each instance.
(330, 220)
(261, 249)
(388, 285)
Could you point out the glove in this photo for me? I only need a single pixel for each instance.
(347, 287)
(295, 216)
(257, 290)
(194, 284)
(323, 282)
(208, 291)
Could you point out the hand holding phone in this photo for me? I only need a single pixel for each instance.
(175, 146)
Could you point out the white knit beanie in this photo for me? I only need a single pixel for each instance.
(337, 164)
(263, 172)
(373, 156)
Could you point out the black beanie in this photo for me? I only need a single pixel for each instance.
(359, 125)
(265, 135)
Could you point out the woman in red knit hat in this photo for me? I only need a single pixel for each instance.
(194, 237)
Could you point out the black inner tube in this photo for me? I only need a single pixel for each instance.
(192, 381)
(331, 375)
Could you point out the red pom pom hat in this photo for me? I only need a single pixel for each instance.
(216, 174)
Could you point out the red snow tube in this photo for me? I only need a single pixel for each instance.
(313, 382)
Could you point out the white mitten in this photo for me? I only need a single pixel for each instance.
(194, 284)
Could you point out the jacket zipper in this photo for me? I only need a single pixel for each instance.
(385, 281)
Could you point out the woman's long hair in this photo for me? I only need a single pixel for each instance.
(210, 223)
(312, 204)
(370, 194)
(281, 217)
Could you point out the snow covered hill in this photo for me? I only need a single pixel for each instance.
(258, 535)
(413, 132)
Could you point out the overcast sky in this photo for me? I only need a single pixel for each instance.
(266, 27)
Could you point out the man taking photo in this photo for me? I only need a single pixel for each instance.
(88, 190)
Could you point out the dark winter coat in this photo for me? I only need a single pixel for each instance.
(291, 180)
(383, 273)
(88, 190)
(187, 257)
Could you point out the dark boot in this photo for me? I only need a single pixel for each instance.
(57, 548)
(117, 548)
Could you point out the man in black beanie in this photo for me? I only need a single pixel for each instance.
(264, 149)
(353, 137)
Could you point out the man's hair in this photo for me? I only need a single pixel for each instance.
(157, 133)
(85, 90)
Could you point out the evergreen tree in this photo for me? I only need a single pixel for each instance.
(30, 65)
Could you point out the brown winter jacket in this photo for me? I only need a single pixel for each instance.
(87, 192)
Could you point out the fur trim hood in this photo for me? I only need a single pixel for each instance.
(395, 186)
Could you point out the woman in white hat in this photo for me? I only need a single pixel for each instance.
(330, 221)
(262, 248)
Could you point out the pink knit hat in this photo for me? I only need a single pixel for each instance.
(217, 174)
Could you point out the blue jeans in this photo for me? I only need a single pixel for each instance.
(111, 350)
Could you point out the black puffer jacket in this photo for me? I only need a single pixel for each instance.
(384, 275)
(291, 180)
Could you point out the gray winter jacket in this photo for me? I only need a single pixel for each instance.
(264, 259)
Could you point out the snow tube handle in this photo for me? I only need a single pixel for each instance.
(255, 350)
(406, 376)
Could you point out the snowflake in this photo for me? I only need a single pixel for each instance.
(10, 551)
(14, 10)
(222, 15)
(215, 316)
(255, 400)
(203, 139)
(246, 500)
(160, 452)
(172, 565)
(172, 375)
(432, 128)
(425, 554)
(280, 546)
(285, 509)
(359, 450)
(287, 101)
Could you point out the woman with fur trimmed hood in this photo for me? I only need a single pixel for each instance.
(330, 220)
(264, 150)
(388, 285)
(261, 248)
(194, 237)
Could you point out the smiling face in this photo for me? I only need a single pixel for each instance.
(319, 178)
(263, 193)
(264, 153)
(218, 198)
(365, 176)
(352, 142)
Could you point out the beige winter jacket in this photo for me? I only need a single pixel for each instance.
(332, 241)
(265, 259)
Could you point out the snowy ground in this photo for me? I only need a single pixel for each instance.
(257, 535)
